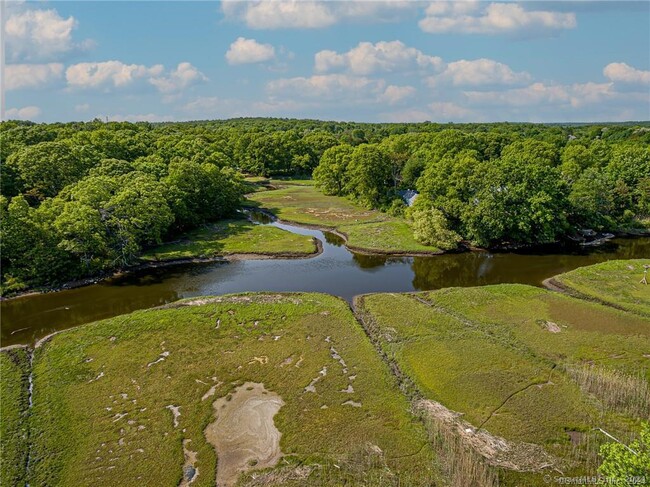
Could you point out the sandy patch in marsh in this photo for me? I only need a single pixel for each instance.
(243, 433)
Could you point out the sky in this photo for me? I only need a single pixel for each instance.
(370, 61)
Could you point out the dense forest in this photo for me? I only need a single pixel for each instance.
(83, 198)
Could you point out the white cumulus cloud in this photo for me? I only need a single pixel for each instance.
(245, 51)
(394, 94)
(182, 77)
(624, 73)
(19, 76)
(34, 35)
(307, 14)
(445, 111)
(535, 94)
(278, 14)
(479, 72)
(368, 58)
(25, 113)
(109, 75)
(570, 96)
(473, 17)
(329, 86)
(105, 74)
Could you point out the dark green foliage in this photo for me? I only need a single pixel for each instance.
(369, 174)
(199, 193)
(516, 202)
(331, 175)
(70, 189)
(45, 168)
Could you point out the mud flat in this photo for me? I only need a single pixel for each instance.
(244, 434)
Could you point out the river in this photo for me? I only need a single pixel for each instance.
(335, 271)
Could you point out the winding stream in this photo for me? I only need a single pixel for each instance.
(335, 271)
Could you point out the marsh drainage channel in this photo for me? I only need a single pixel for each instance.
(336, 271)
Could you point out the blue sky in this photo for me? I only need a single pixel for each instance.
(391, 61)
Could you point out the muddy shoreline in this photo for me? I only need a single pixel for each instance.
(89, 281)
(96, 279)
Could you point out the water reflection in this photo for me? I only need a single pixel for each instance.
(336, 271)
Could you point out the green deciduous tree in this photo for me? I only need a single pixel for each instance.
(369, 175)
(44, 169)
(430, 227)
(331, 173)
(516, 203)
(201, 192)
(30, 255)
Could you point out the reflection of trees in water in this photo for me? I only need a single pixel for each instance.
(369, 261)
(632, 248)
(434, 272)
(333, 239)
(259, 217)
(467, 269)
(45, 313)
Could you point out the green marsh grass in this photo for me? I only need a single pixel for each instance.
(14, 414)
(497, 355)
(366, 230)
(233, 237)
(615, 282)
(102, 391)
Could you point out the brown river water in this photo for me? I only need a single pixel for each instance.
(335, 271)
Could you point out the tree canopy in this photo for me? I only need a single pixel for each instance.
(78, 198)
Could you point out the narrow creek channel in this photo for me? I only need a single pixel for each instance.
(336, 271)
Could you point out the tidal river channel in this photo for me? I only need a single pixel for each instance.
(335, 271)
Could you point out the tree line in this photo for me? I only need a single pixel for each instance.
(498, 188)
(81, 198)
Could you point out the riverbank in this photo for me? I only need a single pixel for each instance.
(234, 238)
(227, 241)
(344, 237)
(616, 283)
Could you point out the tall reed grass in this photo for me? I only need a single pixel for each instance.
(616, 390)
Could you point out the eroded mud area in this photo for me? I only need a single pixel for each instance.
(243, 433)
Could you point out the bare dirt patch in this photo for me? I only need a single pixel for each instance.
(235, 299)
(243, 433)
(550, 326)
(190, 471)
(499, 452)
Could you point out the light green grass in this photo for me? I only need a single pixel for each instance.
(233, 237)
(14, 432)
(393, 236)
(293, 182)
(487, 353)
(368, 230)
(614, 282)
(79, 439)
(305, 204)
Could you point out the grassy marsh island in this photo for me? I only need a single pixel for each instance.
(616, 283)
(131, 400)
(365, 230)
(234, 237)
